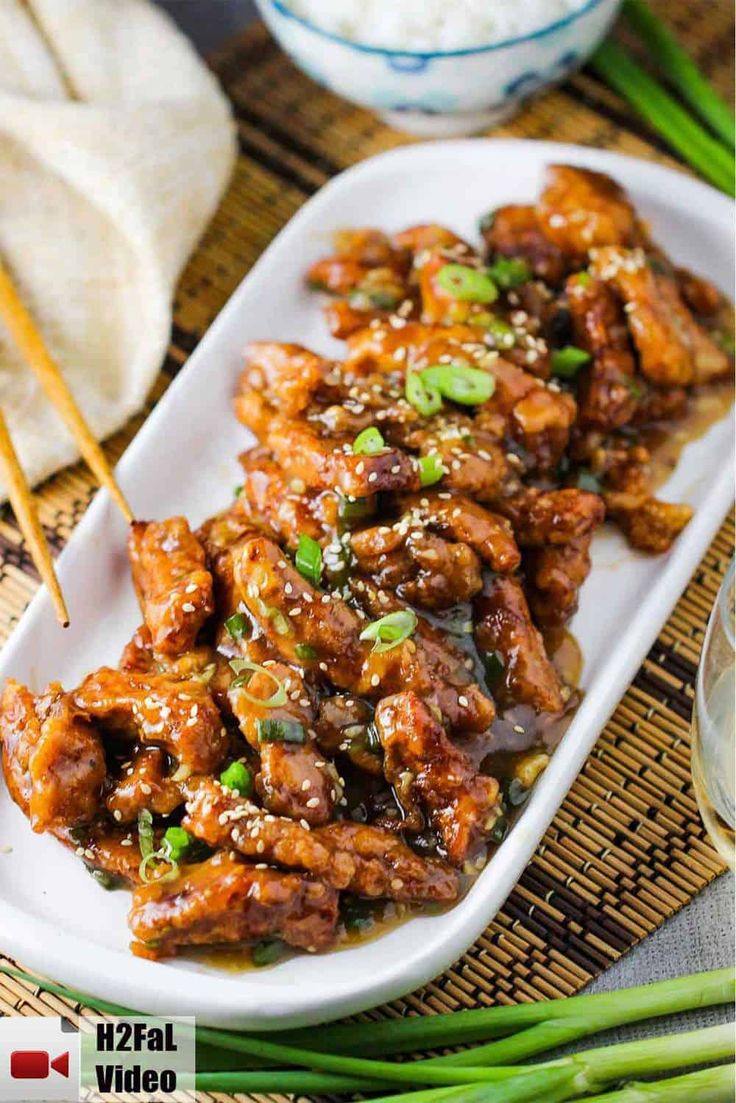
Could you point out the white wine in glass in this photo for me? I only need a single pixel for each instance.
(714, 734)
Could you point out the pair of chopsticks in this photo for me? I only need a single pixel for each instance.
(31, 345)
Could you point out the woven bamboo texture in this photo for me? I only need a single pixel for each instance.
(627, 848)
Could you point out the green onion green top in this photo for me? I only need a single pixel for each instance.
(237, 776)
(431, 469)
(508, 272)
(467, 284)
(425, 400)
(460, 383)
(267, 952)
(369, 442)
(280, 731)
(586, 480)
(391, 630)
(567, 361)
(176, 843)
(237, 625)
(244, 670)
(305, 651)
(309, 559)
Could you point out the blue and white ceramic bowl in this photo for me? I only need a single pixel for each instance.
(447, 92)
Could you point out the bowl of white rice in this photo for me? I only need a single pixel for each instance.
(439, 68)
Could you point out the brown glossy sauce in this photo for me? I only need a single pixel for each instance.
(517, 731)
(666, 442)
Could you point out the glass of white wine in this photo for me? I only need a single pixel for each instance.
(714, 736)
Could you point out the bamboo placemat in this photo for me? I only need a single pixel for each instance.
(627, 848)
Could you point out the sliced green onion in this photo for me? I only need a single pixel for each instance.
(460, 383)
(176, 842)
(238, 490)
(309, 559)
(568, 361)
(267, 952)
(583, 278)
(145, 832)
(279, 622)
(305, 651)
(237, 776)
(467, 284)
(634, 388)
(508, 272)
(245, 669)
(372, 739)
(378, 299)
(391, 630)
(146, 870)
(431, 469)
(426, 400)
(369, 442)
(237, 625)
(586, 480)
(500, 830)
(280, 731)
(356, 509)
(494, 665)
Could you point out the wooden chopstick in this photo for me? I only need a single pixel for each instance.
(31, 344)
(21, 500)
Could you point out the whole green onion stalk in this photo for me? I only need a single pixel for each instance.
(679, 69)
(706, 154)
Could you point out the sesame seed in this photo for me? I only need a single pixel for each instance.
(187, 607)
(375, 680)
(313, 802)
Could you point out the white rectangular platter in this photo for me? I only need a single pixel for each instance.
(53, 916)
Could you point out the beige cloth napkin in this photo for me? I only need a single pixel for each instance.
(115, 146)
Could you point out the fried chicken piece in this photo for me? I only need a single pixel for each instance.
(654, 525)
(138, 657)
(607, 392)
(345, 726)
(580, 209)
(270, 501)
(108, 849)
(366, 266)
(174, 587)
(321, 461)
(426, 768)
(515, 231)
(504, 628)
(439, 305)
(364, 860)
(53, 759)
(387, 348)
(223, 819)
(294, 779)
(384, 866)
(430, 235)
(145, 783)
(700, 295)
(461, 519)
(648, 524)
(288, 376)
(424, 569)
(154, 708)
(475, 463)
(554, 577)
(542, 517)
(225, 900)
(673, 349)
(328, 625)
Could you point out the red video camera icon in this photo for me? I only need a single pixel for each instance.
(35, 1064)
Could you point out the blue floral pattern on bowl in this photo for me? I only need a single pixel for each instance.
(446, 92)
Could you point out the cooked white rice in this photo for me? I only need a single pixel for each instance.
(429, 25)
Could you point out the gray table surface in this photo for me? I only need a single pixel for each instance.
(701, 936)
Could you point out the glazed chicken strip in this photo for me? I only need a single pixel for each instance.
(294, 778)
(268, 499)
(460, 519)
(153, 708)
(332, 629)
(580, 209)
(173, 585)
(504, 629)
(425, 768)
(53, 759)
(365, 860)
(554, 576)
(607, 394)
(673, 349)
(422, 568)
(542, 517)
(145, 782)
(225, 900)
(515, 231)
(320, 461)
